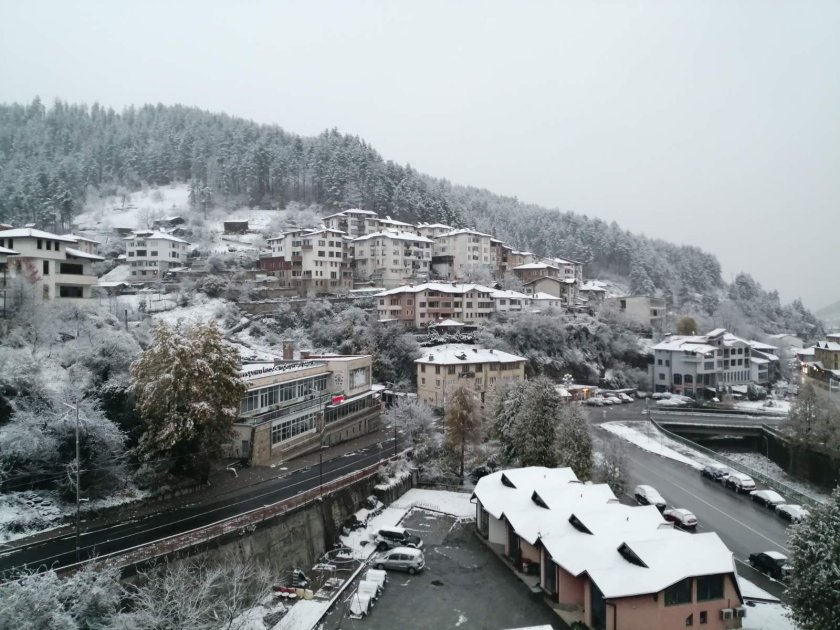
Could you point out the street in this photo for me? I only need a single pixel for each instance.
(61, 551)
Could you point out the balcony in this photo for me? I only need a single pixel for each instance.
(74, 279)
(317, 401)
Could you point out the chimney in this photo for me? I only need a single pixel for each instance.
(431, 357)
(288, 350)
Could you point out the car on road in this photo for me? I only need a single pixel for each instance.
(625, 398)
(671, 402)
(767, 498)
(595, 401)
(772, 563)
(390, 537)
(715, 472)
(792, 513)
(613, 400)
(682, 518)
(739, 482)
(648, 495)
(407, 559)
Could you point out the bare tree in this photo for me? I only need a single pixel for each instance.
(462, 423)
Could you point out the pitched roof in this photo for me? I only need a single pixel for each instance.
(77, 253)
(441, 287)
(8, 252)
(394, 234)
(534, 266)
(77, 238)
(154, 236)
(33, 233)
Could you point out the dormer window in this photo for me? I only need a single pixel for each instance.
(538, 500)
(506, 481)
(630, 555)
(578, 525)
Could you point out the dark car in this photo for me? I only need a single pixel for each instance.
(772, 563)
(390, 537)
(767, 498)
(682, 518)
(715, 472)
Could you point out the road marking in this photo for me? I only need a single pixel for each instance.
(714, 507)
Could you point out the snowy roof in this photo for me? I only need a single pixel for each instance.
(8, 252)
(390, 221)
(445, 322)
(77, 253)
(540, 295)
(585, 529)
(459, 353)
(685, 343)
(33, 233)
(764, 347)
(531, 266)
(395, 234)
(154, 236)
(517, 252)
(76, 237)
(345, 213)
(758, 361)
(593, 285)
(435, 225)
(824, 345)
(508, 294)
(442, 287)
(253, 371)
(464, 231)
(717, 332)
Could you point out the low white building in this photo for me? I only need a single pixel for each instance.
(150, 254)
(53, 264)
(506, 301)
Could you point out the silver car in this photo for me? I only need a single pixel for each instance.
(401, 559)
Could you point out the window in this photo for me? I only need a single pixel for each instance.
(423, 368)
(153, 253)
(704, 617)
(679, 593)
(661, 377)
(689, 621)
(667, 363)
(709, 587)
(70, 268)
(46, 267)
(39, 244)
(659, 362)
(677, 379)
(450, 369)
(71, 292)
(437, 369)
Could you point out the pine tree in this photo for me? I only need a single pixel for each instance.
(188, 392)
(813, 589)
(574, 441)
(462, 423)
(507, 399)
(536, 425)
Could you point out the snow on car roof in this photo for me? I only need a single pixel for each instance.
(770, 495)
(775, 555)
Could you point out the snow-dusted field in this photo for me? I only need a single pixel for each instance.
(106, 213)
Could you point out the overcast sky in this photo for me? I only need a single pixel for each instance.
(715, 124)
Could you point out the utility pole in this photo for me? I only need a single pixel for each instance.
(395, 437)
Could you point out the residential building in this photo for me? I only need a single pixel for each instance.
(517, 258)
(543, 301)
(593, 291)
(509, 301)
(607, 565)
(84, 244)
(562, 289)
(825, 366)
(312, 261)
(5, 254)
(419, 305)
(391, 258)
(353, 223)
(706, 365)
(443, 368)
(151, 254)
(499, 258)
(569, 269)
(643, 309)
(433, 230)
(296, 406)
(529, 272)
(457, 253)
(389, 224)
(52, 264)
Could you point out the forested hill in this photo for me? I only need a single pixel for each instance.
(49, 157)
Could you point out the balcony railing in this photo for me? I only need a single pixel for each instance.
(317, 400)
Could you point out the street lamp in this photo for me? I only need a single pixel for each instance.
(78, 471)
(321, 469)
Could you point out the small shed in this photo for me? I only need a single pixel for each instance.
(238, 226)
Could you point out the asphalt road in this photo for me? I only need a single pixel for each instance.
(61, 551)
(744, 526)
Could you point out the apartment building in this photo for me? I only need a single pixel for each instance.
(499, 253)
(823, 367)
(443, 368)
(353, 223)
(569, 269)
(85, 244)
(433, 230)
(509, 301)
(607, 565)
(392, 258)
(296, 406)
(458, 252)
(53, 264)
(389, 224)
(708, 365)
(151, 254)
(418, 306)
(643, 309)
(517, 258)
(312, 261)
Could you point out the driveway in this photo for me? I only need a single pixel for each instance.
(464, 586)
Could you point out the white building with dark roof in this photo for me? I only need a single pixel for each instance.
(608, 565)
(54, 265)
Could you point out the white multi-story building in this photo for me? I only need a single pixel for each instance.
(354, 223)
(389, 224)
(151, 254)
(433, 230)
(391, 258)
(458, 252)
(509, 301)
(706, 365)
(424, 304)
(312, 261)
(53, 264)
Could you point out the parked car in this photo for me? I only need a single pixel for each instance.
(625, 398)
(740, 482)
(613, 400)
(767, 498)
(642, 394)
(715, 471)
(682, 518)
(648, 495)
(792, 513)
(772, 563)
(660, 395)
(401, 559)
(595, 401)
(390, 537)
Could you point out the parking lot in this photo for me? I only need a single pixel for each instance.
(463, 586)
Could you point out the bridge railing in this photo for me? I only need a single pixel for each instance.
(244, 523)
(790, 494)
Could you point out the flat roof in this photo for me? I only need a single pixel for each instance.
(465, 354)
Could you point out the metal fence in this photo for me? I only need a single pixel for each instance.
(786, 491)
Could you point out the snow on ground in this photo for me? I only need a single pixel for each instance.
(762, 616)
(104, 214)
(769, 468)
(120, 273)
(303, 615)
(780, 407)
(646, 436)
(203, 308)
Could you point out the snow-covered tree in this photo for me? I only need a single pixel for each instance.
(413, 415)
(814, 418)
(610, 464)
(505, 402)
(574, 441)
(188, 392)
(462, 422)
(535, 426)
(813, 589)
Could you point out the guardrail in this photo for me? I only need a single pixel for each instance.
(243, 523)
(783, 489)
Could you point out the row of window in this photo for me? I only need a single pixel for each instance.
(335, 414)
(64, 268)
(287, 429)
(473, 367)
(709, 588)
(49, 244)
(275, 394)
